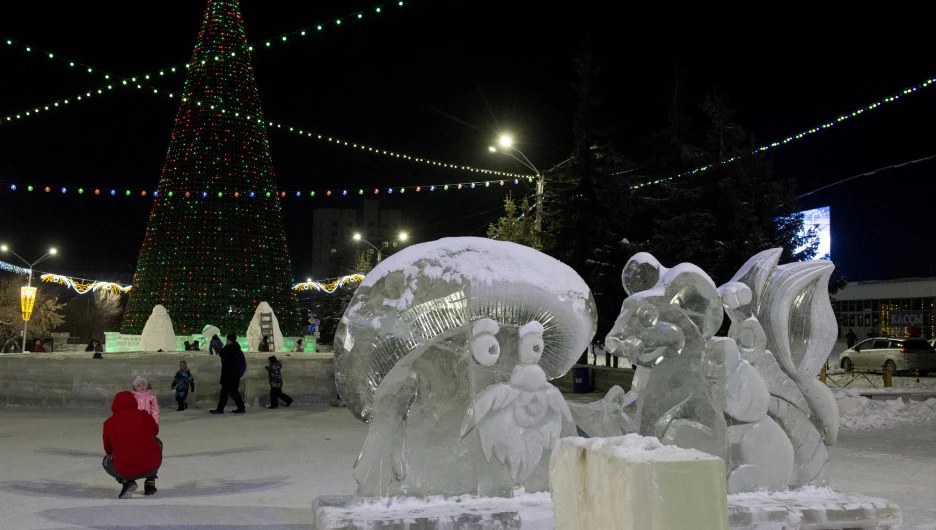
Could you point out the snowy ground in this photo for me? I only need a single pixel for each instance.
(263, 469)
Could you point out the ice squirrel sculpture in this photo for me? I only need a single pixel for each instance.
(447, 349)
(753, 397)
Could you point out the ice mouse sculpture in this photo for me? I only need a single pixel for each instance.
(446, 349)
(774, 416)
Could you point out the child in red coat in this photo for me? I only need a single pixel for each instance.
(133, 450)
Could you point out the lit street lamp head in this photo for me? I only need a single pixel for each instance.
(356, 237)
(505, 141)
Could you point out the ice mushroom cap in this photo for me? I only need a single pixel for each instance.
(434, 290)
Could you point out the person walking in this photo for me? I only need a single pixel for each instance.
(181, 384)
(275, 371)
(233, 366)
(850, 337)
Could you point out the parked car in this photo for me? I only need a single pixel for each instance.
(895, 355)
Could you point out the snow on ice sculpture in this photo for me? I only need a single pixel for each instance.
(778, 415)
(255, 333)
(446, 349)
(207, 332)
(157, 332)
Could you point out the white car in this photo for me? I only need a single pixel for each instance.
(895, 355)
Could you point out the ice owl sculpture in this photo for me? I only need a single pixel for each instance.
(447, 349)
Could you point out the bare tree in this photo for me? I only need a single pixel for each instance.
(46, 316)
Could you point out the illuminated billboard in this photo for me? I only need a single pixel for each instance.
(820, 220)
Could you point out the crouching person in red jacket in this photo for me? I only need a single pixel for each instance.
(133, 450)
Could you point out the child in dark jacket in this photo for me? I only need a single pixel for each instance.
(133, 450)
(275, 371)
(182, 383)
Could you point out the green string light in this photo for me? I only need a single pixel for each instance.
(91, 70)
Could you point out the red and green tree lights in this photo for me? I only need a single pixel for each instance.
(215, 243)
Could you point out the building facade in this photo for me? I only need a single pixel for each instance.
(897, 308)
(333, 229)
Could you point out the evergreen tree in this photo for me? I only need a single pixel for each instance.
(517, 225)
(719, 217)
(215, 243)
(587, 198)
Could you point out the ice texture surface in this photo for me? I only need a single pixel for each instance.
(157, 333)
(446, 349)
(753, 397)
(635, 482)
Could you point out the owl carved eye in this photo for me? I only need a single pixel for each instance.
(647, 316)
(485, 349)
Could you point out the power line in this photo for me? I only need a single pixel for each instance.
(865, 174)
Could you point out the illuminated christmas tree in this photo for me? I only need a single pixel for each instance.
(215, 242)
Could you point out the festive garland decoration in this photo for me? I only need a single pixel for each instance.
(85, 286)
(328, 286)
(799, 136)
(82, 285)
(9, 267)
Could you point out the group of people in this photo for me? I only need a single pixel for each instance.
(134, 452)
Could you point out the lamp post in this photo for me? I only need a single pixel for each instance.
(507, 147)
(28, 293)
(402, 236)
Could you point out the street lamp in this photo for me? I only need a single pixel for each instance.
(28, 293)
(508, 148)
(402, 236)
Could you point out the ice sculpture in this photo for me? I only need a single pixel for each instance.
(774, 416)
(255, 334)
(446, 349)
(157, 333)
(663, 328)
(207, 332)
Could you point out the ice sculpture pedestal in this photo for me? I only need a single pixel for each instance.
(811, 508)
(635, 482)
(532, 510)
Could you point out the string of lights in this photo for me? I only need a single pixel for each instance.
(9, 267)
(328, 286)
(136, 80)
(799, 136)
(84, 286)
(250, 194)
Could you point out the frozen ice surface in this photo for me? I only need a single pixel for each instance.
(157, 333)
(635, 482)
(446, 349)
(254, 335)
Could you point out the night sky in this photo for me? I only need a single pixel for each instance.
(440, 80)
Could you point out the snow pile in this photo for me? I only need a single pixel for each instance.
(523, 510)
(883, 413)
(157, 333)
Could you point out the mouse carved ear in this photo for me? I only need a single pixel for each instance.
(641, 273)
